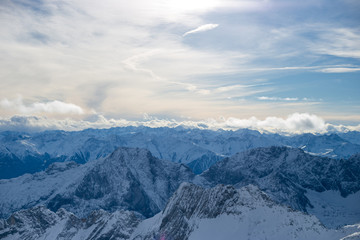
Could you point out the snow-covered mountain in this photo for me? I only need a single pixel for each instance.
(351, 136)
(39, 223)
(224, 212)
(329, 145)
(130, 178)
(199, 149)
(193, 212)
(328, 188)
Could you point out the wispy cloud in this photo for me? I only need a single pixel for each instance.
(52, 107)
(339, 70)
(264, 98)
(202, 28)
(135, 61)
(340, 42)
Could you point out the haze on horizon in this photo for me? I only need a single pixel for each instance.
(248, 63)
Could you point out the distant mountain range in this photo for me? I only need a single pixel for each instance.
(199, 149)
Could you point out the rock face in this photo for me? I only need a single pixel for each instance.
(287, 174)
(28, 153)
(130, 178)
(224, 212)
(41, 223)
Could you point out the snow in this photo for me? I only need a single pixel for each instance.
(334, 210)
(259, 224)
(28, 190)
(148, 225)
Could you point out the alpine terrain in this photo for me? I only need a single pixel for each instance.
(22, 152)
(267, 192)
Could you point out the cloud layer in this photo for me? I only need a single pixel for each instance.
(296, 123)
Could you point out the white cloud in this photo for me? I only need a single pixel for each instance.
(296, 123)
(52, 107)
(202, 28)
(264, 98)
(339, 70)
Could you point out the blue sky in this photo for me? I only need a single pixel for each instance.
(184, 60)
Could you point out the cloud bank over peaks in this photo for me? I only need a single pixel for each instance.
(202, 28)
(295, 123)
(52, 107)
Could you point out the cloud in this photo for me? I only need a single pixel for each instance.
(296, 123)
(202, 28)
(135, 53)
(339, 70)
(52, 107)
(263, 98)
(340, 42)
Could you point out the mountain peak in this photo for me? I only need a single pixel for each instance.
(224, 212)
(286, 174)
(130, 178)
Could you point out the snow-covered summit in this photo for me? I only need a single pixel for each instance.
(288, 174)
(130, 178)
(224, 212)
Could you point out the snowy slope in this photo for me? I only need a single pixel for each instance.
(329, 145)
(289, 175)
(224, 212)
(351, 136)
(130, 178)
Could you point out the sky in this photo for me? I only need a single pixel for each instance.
(263, 64)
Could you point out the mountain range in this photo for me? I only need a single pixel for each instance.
(133, 179)
(22, 153)
(216, 185)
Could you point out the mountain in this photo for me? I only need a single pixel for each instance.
(351, 136)
(40, 223)
(224, 212)
(199, 149)
(129, 178)
(300, 180)
(329, 145)
(193, 212)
